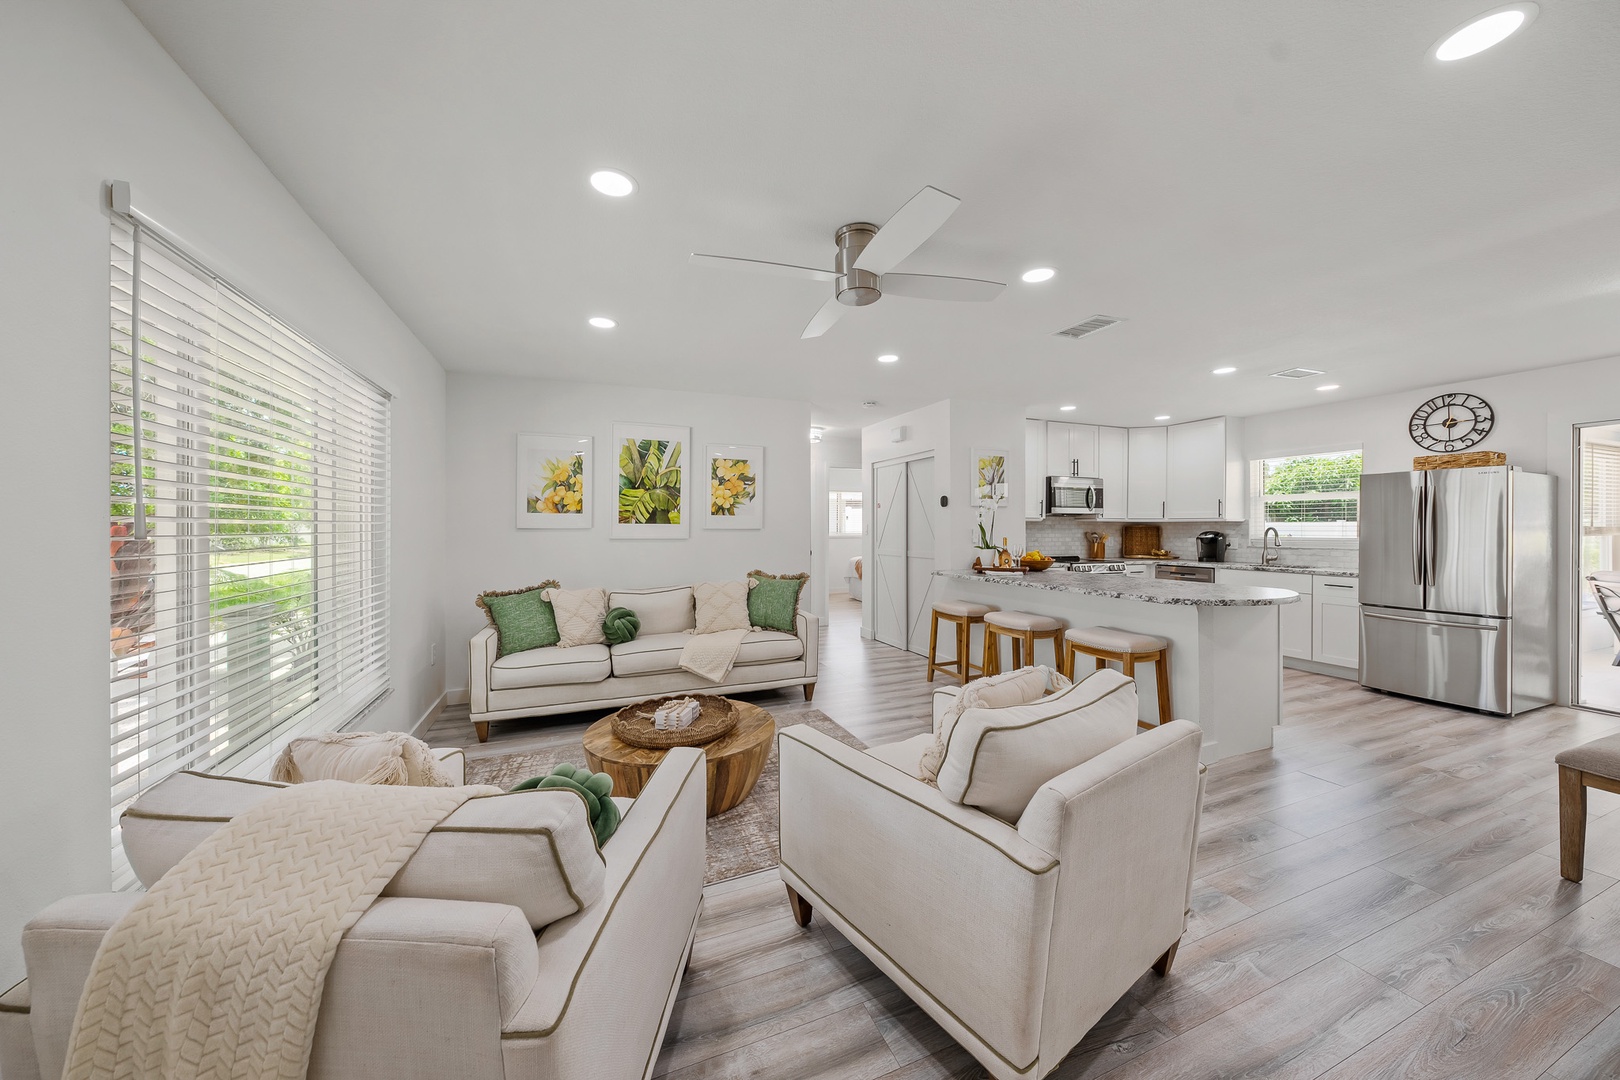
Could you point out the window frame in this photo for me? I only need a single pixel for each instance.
(833, 493)
(1258, 522)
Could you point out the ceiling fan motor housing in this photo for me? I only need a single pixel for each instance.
(856, 288)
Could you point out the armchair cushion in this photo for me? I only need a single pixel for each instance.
(998, 758)
(1019, 687)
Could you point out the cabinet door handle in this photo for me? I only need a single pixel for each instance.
(1330, 585)
(1161, 509)
(1220, 507)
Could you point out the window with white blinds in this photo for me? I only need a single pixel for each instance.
(1307, 497)
(1600, 487)
(249, 528)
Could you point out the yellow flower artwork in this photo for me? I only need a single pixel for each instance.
(554, 478)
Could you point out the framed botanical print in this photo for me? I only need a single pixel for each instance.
(735, 487)
(989, 477)
(554, 482)
(653, 483)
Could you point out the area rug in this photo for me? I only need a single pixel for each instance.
(741, 841)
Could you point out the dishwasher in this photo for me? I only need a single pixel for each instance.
(1171, 572)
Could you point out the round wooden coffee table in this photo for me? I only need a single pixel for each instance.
(735, 759)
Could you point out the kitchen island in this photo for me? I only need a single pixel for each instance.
(1225, 640)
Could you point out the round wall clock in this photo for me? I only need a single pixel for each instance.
(1452, 422)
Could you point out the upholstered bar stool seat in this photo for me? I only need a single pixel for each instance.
(1128, 648)
(963, 614)
(1023, 629)
(1594, 764)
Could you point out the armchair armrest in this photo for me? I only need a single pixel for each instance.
(809, 628)
(481, 657)
(59, 945)
(953, 899)
(17, 1035)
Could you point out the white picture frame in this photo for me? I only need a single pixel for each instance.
(644, 515)
(733, 486)
(554, 482)
(990, 486)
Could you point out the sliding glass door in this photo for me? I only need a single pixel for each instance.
(1597, 521)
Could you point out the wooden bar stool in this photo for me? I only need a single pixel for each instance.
(1106, 643)
(964, 615)
(1023, 630)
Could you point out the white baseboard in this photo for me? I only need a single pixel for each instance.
(460, 696)
(1319, 668)
(419, 729)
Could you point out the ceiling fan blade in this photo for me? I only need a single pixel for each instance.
(830, 313)
(933, 287)
(905, 232)
(759, 266)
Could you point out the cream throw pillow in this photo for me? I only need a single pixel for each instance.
(579, 615)
(722, 605)
(361, 757)
(997, 692)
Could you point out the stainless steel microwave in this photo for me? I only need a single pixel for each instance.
(1078, 495)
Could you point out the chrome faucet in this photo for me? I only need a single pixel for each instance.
(1269, 553)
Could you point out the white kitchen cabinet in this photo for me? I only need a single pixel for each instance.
(1112, 457)
(1145, 484)
(1195, 473)
(1336, 614)
(1034, 470)
(1298, 618)
(1071, 449)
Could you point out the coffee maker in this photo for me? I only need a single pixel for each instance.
(1211, 546)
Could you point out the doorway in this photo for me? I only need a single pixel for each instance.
(1597, 563)
(903, 527)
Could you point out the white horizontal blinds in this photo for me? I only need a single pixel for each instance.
(249, 570)
(844, 517)
(1600, 487)
(1308, 495)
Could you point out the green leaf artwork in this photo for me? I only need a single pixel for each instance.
(649, 482)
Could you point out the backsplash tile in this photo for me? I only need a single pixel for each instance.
(1067, 536)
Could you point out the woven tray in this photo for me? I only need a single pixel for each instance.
(1138, 541)
(633, 724)
(1477, 459)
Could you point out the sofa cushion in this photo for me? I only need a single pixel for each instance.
(533, 850)
(580, 613)
(903, 755)
(998, 758)
(773, 600)
(522, 618)
(564, 664)
(721, 605)
(661, 611)
(658, 654)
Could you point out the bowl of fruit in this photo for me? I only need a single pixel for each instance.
(1036, 562)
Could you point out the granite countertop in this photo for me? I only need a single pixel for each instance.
(1148, 590)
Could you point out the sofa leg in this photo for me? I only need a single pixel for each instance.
(809, 690)
(482, 728)
(800, 906)
(1161, 966)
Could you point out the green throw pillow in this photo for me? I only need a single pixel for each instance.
(595, 788)
(522, 619)
(773, 602)
(620, 626)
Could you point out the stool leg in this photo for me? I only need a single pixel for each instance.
(1162, 675)
(964, 641)
(1571, 823)
(1101, 663)
(1066, 661)
(990, 664)
(933, 644)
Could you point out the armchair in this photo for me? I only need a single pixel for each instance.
(1014, 938)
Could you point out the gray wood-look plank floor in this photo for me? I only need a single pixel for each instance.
(1377, 896)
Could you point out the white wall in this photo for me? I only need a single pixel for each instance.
(486, 550)
(1535, 411)
(91, 97)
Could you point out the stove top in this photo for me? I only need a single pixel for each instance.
(1076, 565)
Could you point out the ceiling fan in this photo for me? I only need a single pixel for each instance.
(867, 254)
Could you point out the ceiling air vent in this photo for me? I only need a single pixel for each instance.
(1090, 326)
(1295, 373)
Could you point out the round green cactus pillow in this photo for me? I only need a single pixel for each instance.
(595, 788)
(620, 626)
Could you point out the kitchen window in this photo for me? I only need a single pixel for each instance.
(248, 521)
(1315, 498)
(845, 513)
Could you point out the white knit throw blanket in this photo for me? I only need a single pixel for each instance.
(217, 971)
(711, 655)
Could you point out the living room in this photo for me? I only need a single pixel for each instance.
(1122, 220)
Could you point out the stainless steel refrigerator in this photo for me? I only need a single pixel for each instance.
(1457, 586)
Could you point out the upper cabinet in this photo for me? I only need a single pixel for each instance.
(1034, 474)
(1195, 476)
(1071, 449)
(1145, 492)
(1112, 456)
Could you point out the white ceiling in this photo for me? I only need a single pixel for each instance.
(1263, 183)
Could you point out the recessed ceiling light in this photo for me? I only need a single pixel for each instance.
(1040, 273)
(1329, 386)
(1161, 418)
(815, 434)
(1491, 28)
(1224, 370)
(602, 322)
(1065, 408)
(612, 182)
(887, 358)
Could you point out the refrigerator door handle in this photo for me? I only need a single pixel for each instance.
(1432, 622)
(1418, 502)
(1431, 540)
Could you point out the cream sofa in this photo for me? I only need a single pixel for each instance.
(508, 947)
(1014, 937)
(543, 682)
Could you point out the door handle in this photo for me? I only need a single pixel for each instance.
(1162, 508)
(1417, 536)
(1431, 539)
(1430, 622)
(1220, 507)
(1330, 585)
